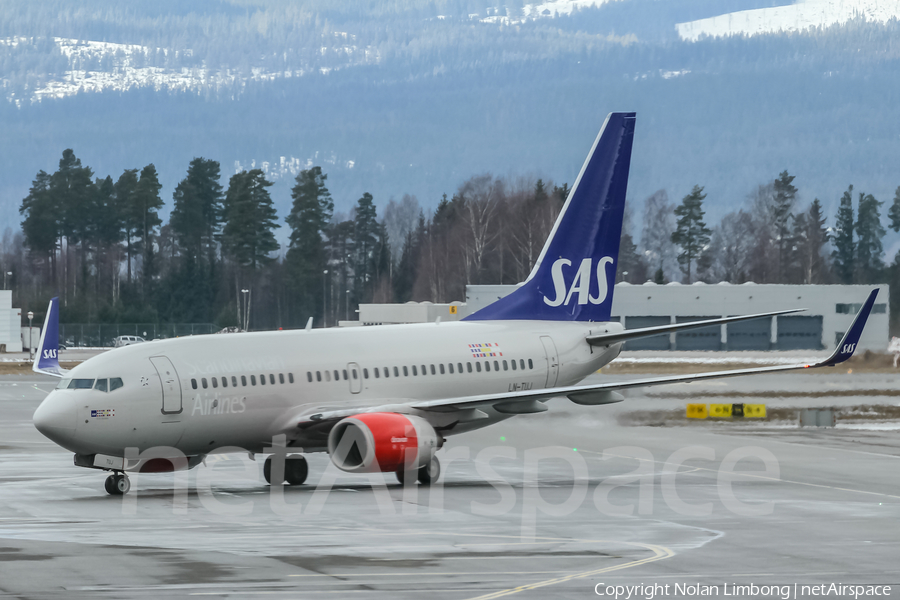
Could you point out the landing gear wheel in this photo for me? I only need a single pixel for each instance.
(296, 469)
(117, 484)
(430, 472)
(267, 470)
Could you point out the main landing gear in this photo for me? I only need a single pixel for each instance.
(426, 474)
(117, 484)
(295, 470)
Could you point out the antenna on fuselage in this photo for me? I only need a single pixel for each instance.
(309, 324)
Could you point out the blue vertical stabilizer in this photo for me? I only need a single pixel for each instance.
(46, 360)
(574, 276)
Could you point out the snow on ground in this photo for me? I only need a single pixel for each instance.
(104, 66)
(796, 17)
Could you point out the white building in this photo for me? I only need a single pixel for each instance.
(411, 312)
(831, 309)
(10, 324)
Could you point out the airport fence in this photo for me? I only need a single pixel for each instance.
(74, 335)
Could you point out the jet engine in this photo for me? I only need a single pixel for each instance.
(372, 442)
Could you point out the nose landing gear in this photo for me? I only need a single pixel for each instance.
(117, 484)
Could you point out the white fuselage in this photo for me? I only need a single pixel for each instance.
(181, 393)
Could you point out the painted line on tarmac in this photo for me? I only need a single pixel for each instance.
(659, 553)
(757, 476)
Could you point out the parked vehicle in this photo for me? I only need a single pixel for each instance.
(127, 340)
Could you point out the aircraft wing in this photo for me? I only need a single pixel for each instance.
(532, 401)
(607, 339)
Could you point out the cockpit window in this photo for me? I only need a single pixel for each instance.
(115, 383)
(81, 384)
(101, 385)
(63, 384)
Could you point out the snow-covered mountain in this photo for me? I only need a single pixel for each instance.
(801, 16)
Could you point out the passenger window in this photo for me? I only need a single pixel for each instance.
(194, 383)
(459, 367)
(487, 366)
(522, 363)
(513, 361)
(327, 375)
(309, 376)
(262, 379)
(433, 372)
(496, 366)
(505, 366)
(319, 376)
(442, 368)
(203, 383)
(478, 367)
(355, 376)
(396, 372)
(365, 373)
(424, 370)
(387, 372)
(469, 367)
(224, 382)
(405, 372)
(115, 383)
(345, 375)
(244, 380)
(450, 366)
(415, 371)
(337, 376)
(291, 377)
(272, 378)
(530, 364)
(215, 382)
(253, 380)
(377, 372)
(101, 385)
(233, 381)
(281, 378)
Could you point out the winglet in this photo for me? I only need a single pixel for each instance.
(46, 360)
(850, 340)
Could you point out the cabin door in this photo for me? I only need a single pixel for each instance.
(171, 388)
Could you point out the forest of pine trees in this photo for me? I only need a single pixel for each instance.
(101, 245)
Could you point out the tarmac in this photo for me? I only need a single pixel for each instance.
(563, 504)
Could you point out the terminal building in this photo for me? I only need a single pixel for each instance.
(10, 324)
(830, 310)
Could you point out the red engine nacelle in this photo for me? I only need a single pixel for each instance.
(386, 442)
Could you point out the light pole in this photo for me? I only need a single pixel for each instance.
(324, 299)
(30, 337)
(347, 307)
(5, 275)
(246, 308)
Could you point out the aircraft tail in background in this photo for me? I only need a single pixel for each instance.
(46, 360)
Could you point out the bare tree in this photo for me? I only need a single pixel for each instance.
(656, 236)
(400, 218)
(481, 197)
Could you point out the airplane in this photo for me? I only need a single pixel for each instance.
(376, 399)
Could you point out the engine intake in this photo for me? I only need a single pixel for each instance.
(386, 442)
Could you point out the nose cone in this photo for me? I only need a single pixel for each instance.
(55, 418)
